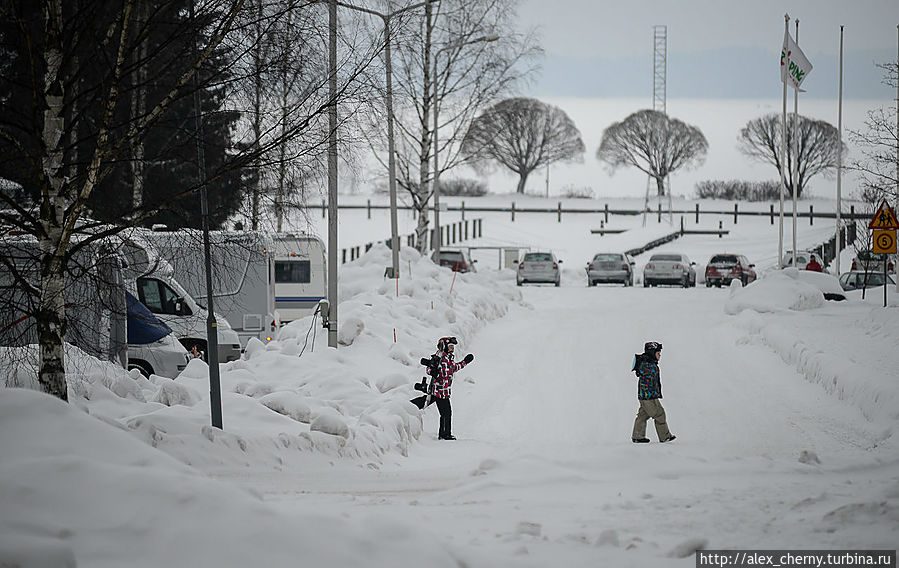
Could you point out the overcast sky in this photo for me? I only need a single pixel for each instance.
(722, 48)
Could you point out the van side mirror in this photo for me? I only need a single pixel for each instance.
(181, 308)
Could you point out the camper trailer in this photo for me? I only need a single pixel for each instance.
(260, 281)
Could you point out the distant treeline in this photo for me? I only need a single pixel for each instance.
(738, 190)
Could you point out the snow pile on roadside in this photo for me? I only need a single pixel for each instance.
(776, 310)
(119, 503)
(777, 291)
(290, 397)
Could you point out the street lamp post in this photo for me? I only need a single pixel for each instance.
(391, 151)
(438, 236)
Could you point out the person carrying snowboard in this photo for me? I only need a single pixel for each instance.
(649, 393)
(441, 367)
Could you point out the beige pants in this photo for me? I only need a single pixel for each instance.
(651, 409)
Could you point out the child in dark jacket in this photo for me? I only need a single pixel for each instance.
(441, 384)
(649, 393)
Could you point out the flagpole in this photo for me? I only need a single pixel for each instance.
(838, 240)
(795, 153)
(785, 72)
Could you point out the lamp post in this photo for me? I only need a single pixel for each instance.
(391, 152)
(437, 233)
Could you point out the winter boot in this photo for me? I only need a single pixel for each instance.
(668, 439)
(640, 440)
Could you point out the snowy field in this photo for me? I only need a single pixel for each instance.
(785, 407)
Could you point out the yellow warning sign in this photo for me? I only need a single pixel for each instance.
(884, 241)
(884, 218)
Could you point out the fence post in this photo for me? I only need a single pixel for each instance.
(720, 228)
(342, 256)
(811, 214)
(682, 224)
(466, 230)
(368, 207)
(772, 213)
(560, 212)
(697, 213)
(660, 211)
(463, 210)
(324, 209)
(480, 227)
(513, 211)
(607, 212)
(735, 213)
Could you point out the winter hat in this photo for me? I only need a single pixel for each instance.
(444, 342)
(651, 347)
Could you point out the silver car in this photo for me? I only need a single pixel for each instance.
(611, 267)
(669, 268)
(539, 267)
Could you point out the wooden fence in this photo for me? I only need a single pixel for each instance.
(452, 233)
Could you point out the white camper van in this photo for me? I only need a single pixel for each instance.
(151, 279)
(260, 280)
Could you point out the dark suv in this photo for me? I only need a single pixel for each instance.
(456, 259)
(723, 268)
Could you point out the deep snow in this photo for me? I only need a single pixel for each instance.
(785, 408)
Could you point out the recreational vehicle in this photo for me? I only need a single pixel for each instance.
(260, 281)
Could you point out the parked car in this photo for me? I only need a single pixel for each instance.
(457, 259)
(539, 267)
(867, 261)
(722, 268)
(858, 279)
(669, 268)
(802, 259)
(611, 267)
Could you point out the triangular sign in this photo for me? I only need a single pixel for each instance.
(885, 218)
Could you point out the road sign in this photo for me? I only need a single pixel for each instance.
(884, 242)
(884, 218)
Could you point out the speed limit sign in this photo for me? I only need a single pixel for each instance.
(884, 242)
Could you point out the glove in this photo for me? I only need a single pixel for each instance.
(425, 361)
(468, 358)
(422, 386)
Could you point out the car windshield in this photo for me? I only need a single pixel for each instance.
(874, 279)
(607, 257)
(666, 257)
(723, 259)
(537, 257)
(450, 255)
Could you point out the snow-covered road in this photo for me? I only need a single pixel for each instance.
(544, 467)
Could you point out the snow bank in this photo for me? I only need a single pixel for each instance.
(125, 504)
(776, 291)
(787, 311)
(294, 394)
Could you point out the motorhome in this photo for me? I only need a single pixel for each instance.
(100, 317)
(151, 279)
(260, 280)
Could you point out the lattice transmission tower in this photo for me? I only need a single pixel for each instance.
(659, 99)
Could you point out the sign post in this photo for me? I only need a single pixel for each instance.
(883, 226)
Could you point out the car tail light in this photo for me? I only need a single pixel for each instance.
(521, 266)
(463, 266)
(890, 266)
(853, 266)
(677, 267)
(623, 266)
(555, 266)
(649, 266)
(590, 266)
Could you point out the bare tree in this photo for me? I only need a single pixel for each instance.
(470, 73)
(522, 135)
(654, 143)
(36, 130)
(819, 147)
(879, 145)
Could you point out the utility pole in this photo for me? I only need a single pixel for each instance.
(332, 174)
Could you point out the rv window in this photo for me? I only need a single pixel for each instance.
(292, 272)
(157, 296)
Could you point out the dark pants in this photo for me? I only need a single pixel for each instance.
(446, 413)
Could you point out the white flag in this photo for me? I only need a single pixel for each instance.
(799, 64)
